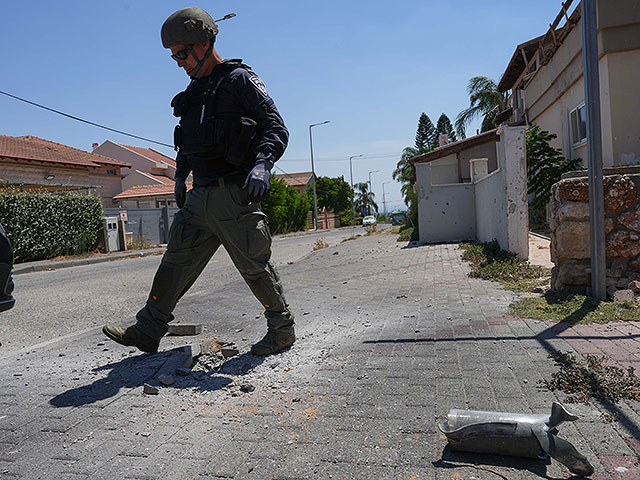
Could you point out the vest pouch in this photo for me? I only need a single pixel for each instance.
(178, 104)
(177, 137)
(240, 133)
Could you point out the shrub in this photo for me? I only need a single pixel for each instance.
(43, 225)
(405, 234)
(545, 166)
(286, 208)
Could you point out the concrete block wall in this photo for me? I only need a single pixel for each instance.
(493, 205)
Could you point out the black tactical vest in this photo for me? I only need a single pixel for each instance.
(204, 132)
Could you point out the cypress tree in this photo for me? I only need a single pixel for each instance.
(444, 127)
(425, 134)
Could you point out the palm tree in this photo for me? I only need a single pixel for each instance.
(402, 173)
(486, 101)
(364, 198)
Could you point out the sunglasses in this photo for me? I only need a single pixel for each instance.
(182, 54)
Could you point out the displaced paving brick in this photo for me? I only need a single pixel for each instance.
(150, 389)
(185, 329)
(229, 352)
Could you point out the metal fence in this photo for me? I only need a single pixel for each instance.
(150, 225)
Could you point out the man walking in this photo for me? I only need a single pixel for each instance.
(229, 136)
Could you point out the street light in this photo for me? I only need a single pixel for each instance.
(369, 203)
(384, 201)
(313, 174)
(353, 200)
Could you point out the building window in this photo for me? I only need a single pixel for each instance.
(578, 121)
(111, 172)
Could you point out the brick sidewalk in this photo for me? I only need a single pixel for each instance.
(390, 339)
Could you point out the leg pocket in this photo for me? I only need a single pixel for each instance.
(182, 233)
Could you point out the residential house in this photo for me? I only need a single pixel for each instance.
(300, 181)
(546, 85)
(149, 182)
(475, 189)
(32, 163)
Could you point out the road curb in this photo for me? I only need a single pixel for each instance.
(55, 265)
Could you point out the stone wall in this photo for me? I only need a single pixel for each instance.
(569, 222)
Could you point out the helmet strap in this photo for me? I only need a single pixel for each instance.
(198, 66)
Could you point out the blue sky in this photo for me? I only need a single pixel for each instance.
(370, 67)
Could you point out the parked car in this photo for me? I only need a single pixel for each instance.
(6, 265)
(369, 220)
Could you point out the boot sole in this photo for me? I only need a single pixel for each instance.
(114, 338)
(120, 341)
(273, 352)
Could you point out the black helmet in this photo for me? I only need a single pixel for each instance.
(188, 26)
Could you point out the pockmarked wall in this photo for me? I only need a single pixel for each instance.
(493, 205)
(570, 242)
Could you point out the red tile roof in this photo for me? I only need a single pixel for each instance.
(39, 149)
(152, 154)
(148, 191)
(295, 179)
(158, 178)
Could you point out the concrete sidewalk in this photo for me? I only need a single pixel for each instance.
(390, 338)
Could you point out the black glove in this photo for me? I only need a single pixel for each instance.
(258, 181)
(180, 192)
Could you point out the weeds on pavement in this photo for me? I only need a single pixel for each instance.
(320, 244)
(140, 243)
(352, 237)
(405, 234)
(591, 378)
(573, 308)
(490, 262)
(370, 229)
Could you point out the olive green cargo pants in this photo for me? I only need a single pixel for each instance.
(213, 216)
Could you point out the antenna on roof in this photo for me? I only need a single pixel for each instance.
(226, 17)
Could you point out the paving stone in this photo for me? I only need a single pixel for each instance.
(369, 397)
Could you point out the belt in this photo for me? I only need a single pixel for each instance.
(224, 181)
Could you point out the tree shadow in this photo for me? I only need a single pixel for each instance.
(133, 372)
(589, 304)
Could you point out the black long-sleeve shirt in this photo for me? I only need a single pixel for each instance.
(240, 93)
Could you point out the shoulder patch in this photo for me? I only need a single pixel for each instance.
(259, 84)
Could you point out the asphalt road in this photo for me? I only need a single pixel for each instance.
(71, 301)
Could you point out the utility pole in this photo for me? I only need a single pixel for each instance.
(313, 174)
(384, 198)
(368, 202)
(594, 149)
(353, 200)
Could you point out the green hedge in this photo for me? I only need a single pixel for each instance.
(43, 225)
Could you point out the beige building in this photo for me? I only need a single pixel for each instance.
(32, 163)
(546, 85)
(148, 183)
(300, 181)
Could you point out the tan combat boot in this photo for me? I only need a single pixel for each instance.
(131, 337)
(274, 341)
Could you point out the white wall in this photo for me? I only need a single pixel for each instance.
(446, 213)
(445, 170)
(491, 207)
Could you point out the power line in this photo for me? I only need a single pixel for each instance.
(86, 121)
(343, 159)
(329, 159)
